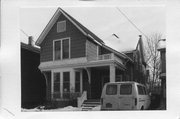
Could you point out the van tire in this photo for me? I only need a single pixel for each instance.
(142, 108)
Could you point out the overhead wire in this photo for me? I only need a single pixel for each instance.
(132, 22)
(24, 33)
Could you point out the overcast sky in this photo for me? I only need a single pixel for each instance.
(103, 21)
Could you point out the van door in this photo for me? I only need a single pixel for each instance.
(141, 98)
(110, 97)
(126, 100)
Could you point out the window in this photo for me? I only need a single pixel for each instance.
(65, 49)
(111, 89)
(57, 50)
(56, 82)
(125, 89)
(66, 81)
(145, 91)
(62, 49)
(140, 90)
(61, 26)
(77, 82)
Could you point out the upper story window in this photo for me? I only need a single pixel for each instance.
(61, 26)
(61, 49)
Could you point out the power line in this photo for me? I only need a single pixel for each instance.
(24, 33)
(27, 35)
(132, 22)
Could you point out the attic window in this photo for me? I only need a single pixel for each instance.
(61, 26)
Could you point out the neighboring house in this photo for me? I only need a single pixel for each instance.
(32, 81)
(163, 73)
(76, 62)
(139, 65)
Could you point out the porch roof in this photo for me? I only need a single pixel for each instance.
(81, 63)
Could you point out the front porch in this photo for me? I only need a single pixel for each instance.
(83, 80)
(94, 79)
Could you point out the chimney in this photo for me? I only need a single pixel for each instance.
(30, 40)
(140, 37)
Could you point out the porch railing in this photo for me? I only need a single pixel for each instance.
(105, 57)
(81, 99)
(110, 56)
(66, 95)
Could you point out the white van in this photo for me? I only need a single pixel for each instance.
(124, 96)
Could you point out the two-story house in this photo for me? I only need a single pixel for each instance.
(76, 62)
(32, 80)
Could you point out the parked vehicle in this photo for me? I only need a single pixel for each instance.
(124, 96)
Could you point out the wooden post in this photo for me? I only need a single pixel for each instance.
(72, 81)
(112, 73)
(89, 80)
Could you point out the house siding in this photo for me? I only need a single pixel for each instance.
(77, 40)
(103, 51)
(91, 50)
(163, 62)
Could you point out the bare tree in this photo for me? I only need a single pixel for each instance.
(153, 57)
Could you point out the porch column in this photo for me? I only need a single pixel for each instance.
(47, 77)
(52, 85)
(89, 79)
(72, 81)
(112, 73)
(81, 81)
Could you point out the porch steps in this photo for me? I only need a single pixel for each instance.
(89, 104)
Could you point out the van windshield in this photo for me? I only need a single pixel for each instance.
(125, 89)
(111, 89)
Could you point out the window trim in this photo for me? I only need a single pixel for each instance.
(61, 58)
(57, 26)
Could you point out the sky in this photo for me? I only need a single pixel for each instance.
(102, 21)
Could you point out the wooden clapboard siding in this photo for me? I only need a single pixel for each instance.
(77, 40)
(103, 51)
(91, 50)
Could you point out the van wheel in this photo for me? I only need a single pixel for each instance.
(142, 108)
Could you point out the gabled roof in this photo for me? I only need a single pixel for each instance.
(79, 26)
(53, 20)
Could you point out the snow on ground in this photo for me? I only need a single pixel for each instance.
(97, 108)
(68, 108)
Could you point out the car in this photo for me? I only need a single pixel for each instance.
(127, 95)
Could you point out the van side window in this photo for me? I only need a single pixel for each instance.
(111, 89)
(140, 90)
(145, 91)
(125, 89)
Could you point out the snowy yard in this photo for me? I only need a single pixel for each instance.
(68, 108)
